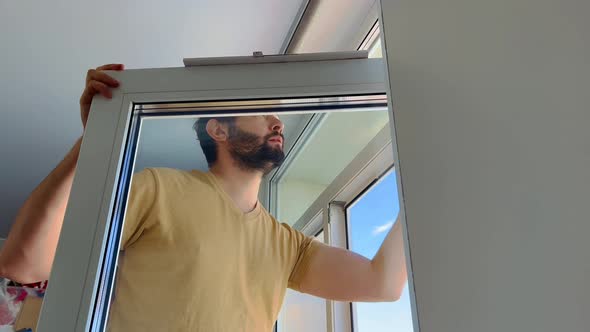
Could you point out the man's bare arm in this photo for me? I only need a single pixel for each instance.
(343, 275)
(27, 254)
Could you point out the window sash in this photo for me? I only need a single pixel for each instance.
(70, 299)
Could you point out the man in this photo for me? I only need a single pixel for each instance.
(200, 252)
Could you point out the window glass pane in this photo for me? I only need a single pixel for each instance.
(375, 49)
(303, 312)
(369, 221)
(178, 204)
(323, 158)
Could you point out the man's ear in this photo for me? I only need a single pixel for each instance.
(217, 130)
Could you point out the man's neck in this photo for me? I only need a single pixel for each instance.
(241, 185)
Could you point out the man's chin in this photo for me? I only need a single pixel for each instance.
(277, 146)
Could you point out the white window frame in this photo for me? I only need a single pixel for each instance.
(371, 38)
(73, 285)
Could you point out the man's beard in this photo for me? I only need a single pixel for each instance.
(251, 154)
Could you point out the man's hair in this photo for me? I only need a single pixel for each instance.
(207, 143)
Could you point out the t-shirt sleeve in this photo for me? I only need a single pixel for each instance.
(304, 249)
(140, 205)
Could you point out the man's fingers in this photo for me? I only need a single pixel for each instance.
(93, 88)
(97, 82)
(95, 75)
(102, 88)
(112, 66)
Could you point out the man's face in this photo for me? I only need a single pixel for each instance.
(256, 142)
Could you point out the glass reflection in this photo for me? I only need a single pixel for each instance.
(198, 248)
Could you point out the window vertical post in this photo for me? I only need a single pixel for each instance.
(341, 314)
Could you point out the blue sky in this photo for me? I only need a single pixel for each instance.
(370, 219)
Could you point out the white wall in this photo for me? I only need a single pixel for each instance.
(492, 120)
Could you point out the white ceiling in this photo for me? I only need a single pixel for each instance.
(47, 48)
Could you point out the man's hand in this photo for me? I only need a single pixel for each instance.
(97, 82)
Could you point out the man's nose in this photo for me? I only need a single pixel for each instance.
(276, 124)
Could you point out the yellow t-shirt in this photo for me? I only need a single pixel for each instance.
(193, 261)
